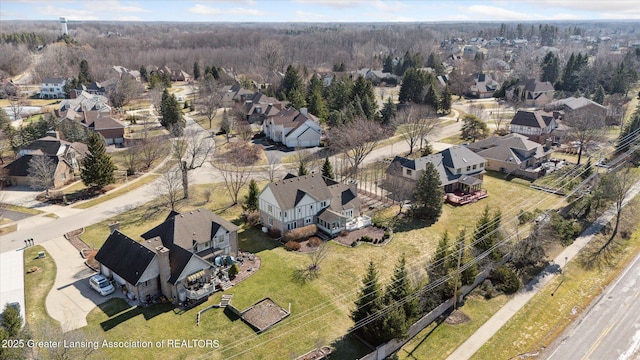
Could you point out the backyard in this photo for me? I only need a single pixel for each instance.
(319, 308)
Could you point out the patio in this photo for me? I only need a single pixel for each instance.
(462, 198)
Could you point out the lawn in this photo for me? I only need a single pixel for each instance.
(320, 308)
(545, 317)
(438, 341)
(454, 140)
(37, 285)
(125, 189)
(21, 209)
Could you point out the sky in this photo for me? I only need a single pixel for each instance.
(319, 10)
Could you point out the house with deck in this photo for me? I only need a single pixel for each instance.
(461, 173)
(513, 154)
(297, 201)
(182, 259)
(53, 88)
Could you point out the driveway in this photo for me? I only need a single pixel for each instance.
(71, 299)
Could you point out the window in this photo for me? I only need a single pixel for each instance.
(458, 171)
(408, 172)
(481, 165)
(269, 209)
(468, 167)
(270, 221)
(308, 220)
(291, 225)
(474, 167)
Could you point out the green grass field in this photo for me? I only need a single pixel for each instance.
(320, 308)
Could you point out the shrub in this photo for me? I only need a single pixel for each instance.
(315, 241)
(292, 245)
(354, 243)
(252, 217)
(505, 280)
(344, 233)
(234, 270)
(300, 233)
(274, 233)
(366, 238)
(386, 235)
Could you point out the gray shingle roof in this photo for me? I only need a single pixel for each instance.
(534, 119)
(125, 256)
(286, 191)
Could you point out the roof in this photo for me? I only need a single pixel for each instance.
(288, 192)
(534, 119)
(20, 166)
(125, 256)
(178, 260)
(574, 103)
(455, 157)
(48, 145)
(100, 121)
(535, 85)
(343, 198)
(183, 229)
(53, 80)
(509, 148)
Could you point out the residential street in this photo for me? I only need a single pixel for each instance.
(520, 299)
(611, 328)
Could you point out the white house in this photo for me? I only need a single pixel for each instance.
(52, 88)
(293, 128)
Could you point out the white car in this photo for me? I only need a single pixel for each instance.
(100, 284)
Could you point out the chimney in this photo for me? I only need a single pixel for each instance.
(165, 272)
(303, 111)
(114, 226)
(353, 186)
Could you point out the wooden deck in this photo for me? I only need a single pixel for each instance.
(457, 198)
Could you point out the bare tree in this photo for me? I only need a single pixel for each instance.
(614, 187)
(356, 140)
(586, 128)
(234, 176)
(398, 188)
(170, 187)
(270, 54)
(227, 124)
(417, 121)
(150, 148)
(41, 172)
(318, 256)
(272, 166)
(192, 150)
(244, 130)
(132, 159)
(209, 98)
(17, 102)
(123, 91)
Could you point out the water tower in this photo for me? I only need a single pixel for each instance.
(63, 26)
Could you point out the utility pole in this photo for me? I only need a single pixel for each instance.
(455, 289)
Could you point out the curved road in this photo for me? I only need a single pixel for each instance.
(611, 329)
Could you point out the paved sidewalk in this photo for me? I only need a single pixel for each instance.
(499, 319)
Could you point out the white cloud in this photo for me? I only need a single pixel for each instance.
(390, 6)
(496, 13)
(387, 17)
(114, 6)
(311, 17)
(204, 10)
(340, 4)
(69, 13)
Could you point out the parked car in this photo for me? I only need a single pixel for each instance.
(100, 284)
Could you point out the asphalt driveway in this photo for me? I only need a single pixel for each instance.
(71, 298)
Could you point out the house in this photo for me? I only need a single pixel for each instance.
(93, 112)
(513, 154)
(537, 124)
(483, 86)
(65, 156)
(460, 169)
(8, 89)
(310, 199)
(182, 258)
(293, 128)
(121, 72)
(174, 75)
(576, 106)
(258, 107)
(53, 88)
(534, 92)
(94, 88)
(233, 93)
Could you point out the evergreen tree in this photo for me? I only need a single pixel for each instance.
(400, 288)
(362, 94)
(550, 69)
(388, 114)
(435, 64)
(172, 118)
(327, 169)
(251, 199)
(469, 274)
(97, 167)
(483, 232)
(318, 105)
(588, 169)
(598, 96)
(144, 76)
(84, 76)
(11, 321)
(412, 87)
(629, 133)
(196, 70)
(302, 169)
(387, 64)
(369, 302)
(445, 101)
(431, 98)
(437, 269)
(225, 124)
(292, 88)
(429, 195)
(473, 128)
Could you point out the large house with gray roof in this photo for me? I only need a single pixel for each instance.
(53, 88)
(536, 125)
(513, 154)
(293, 128)
(94, 113)
(533, 91)
(181, 258)
(310, 199)
(461, 171)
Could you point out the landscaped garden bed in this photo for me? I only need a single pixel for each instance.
(370, 234)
